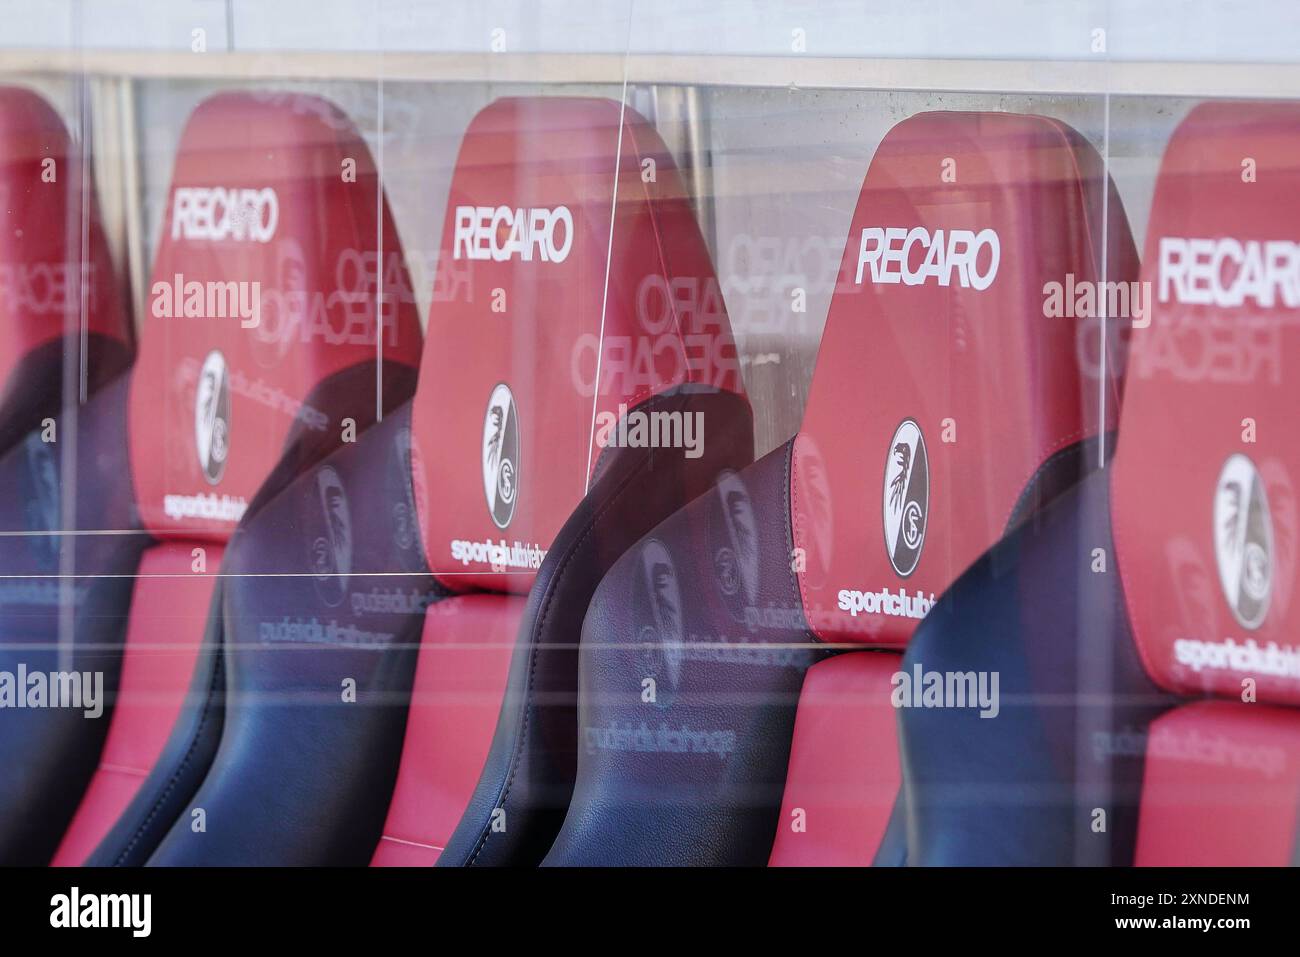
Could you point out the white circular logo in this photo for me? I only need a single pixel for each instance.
(501, 455)
(906, 497)
(1243, 540)
(212, 416)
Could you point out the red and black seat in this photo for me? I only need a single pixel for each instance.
(1144, 626)
(425, 674)
(65, 326)
(947, 408)
(260, 353)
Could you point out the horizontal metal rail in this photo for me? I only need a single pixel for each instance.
(1074, 77)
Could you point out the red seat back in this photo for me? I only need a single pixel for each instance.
(57, 295)
(574, 289)
(1203, 490)
(951, 399)
(270, 313)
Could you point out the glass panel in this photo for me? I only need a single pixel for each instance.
(739, 433)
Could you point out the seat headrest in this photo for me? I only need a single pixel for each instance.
(545, 325)
(946, 378)
(44, 275)
(1203, 486)
(266, 288)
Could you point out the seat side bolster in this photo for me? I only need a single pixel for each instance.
(1021, 787)
(690, 769)
(530, 768)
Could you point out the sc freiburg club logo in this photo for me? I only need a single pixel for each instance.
(1243, 540)
(501, 455)
(212, 417)
(331, 553)
(906, 497)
